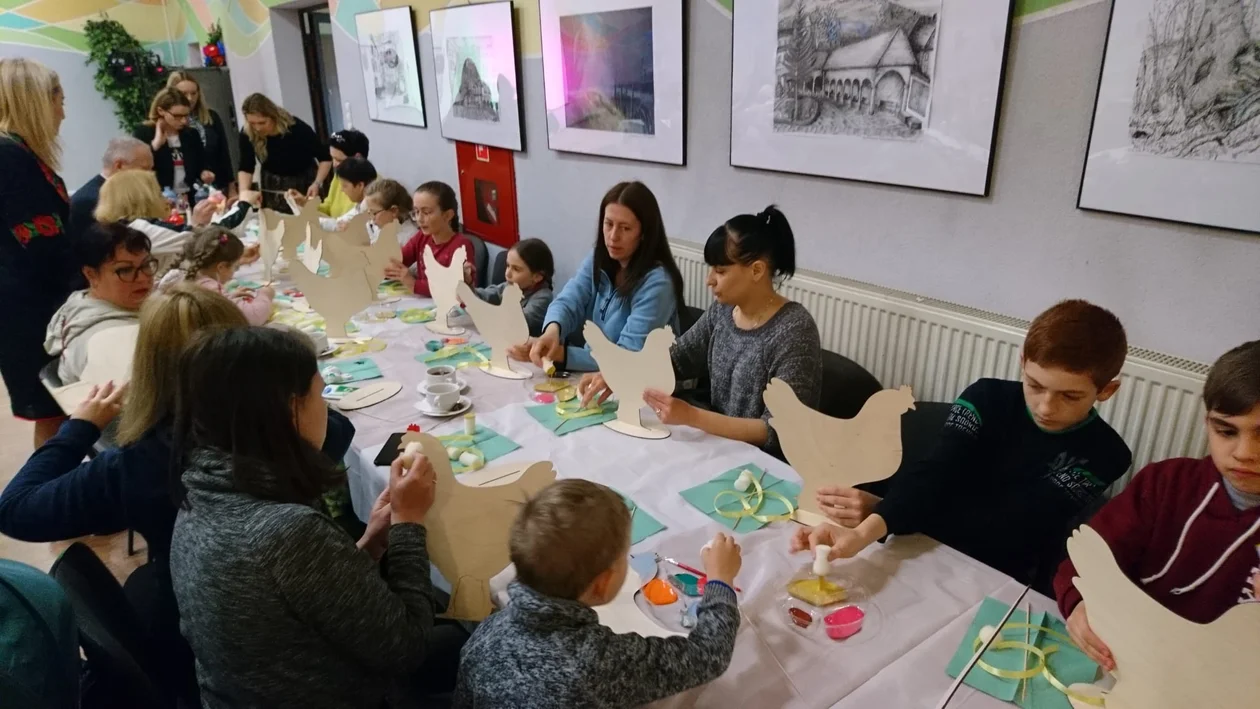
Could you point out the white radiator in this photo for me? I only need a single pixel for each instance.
(938, 348)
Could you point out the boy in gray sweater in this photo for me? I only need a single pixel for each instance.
(570, 545)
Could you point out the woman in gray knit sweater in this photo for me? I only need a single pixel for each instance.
(750, 335)
(280, 606)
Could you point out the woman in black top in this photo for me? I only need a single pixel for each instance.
(210, 128)
(178, 157)
(292, 156)
(37, 268)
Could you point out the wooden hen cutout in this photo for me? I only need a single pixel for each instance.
(442, 283)
(109, 355)
(830, 451)
(1164, 661)
(629, 373)
(501, 326)
(353, 248)
(336, 298)
(270, 238)
(469, 527)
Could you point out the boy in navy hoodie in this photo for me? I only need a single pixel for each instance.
(1187, 531)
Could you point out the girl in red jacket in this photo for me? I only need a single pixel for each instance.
(436, 211)
(1188, 531)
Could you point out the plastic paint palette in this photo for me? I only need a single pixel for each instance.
(839, 610)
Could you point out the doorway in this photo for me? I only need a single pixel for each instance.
(321, 71)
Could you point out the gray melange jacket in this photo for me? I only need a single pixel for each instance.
(544, 653)
(534, 304)
(282, 610)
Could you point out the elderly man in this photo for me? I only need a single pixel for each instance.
(124, 153)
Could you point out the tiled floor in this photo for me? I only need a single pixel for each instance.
(15, 448)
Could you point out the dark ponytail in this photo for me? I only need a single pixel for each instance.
(750, 237)
(446, 199)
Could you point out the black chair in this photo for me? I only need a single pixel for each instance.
(498, 272)
(846, 386)
(112, 635)
(688, 316)
(481, 259)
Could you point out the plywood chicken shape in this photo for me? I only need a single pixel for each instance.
(830, 451)
(353, 248)
(469, 526)
(1164, 661)
(442, 283)
(336, 298)
(629, 373)
(501, 326)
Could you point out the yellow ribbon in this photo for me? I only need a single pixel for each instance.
(455, 350)
(750, 504)
(1042, 669)
(357, 347)
(571, 409)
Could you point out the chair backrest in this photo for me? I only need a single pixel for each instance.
(687, 316)
(846, 386)
(111, 633)
(498, 274)
(481, 259)
(38, 641)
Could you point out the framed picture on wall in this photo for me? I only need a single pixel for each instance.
(391, 67)
(474, 60)
(902, 93)
(614, 78)
(1176, 131)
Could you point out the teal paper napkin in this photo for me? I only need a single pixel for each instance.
(457, 359)
(358, 370)
(642, 524)
(491, 443)
(1068, 664)
(702, 497)
(547, 416)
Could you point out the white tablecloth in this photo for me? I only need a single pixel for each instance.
(926, 593)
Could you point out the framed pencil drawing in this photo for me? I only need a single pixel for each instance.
(391, 67)
(903, 92)
(614, 78)
(1176, 129)
(474, 62)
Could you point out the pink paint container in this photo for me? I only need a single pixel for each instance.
(844, 622)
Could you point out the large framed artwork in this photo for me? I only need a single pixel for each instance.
(614, 78)
(474, 62)
(1176, 131)
(391, 68)
(902, 92)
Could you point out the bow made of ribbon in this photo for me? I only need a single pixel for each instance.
(750, 503)
(354, 348)
(456, 350)
(1042, 669)
(572, 409)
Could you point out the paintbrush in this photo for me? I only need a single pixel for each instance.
(690, 569)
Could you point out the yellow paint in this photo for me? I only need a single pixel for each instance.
(55, 11)
(528, 28)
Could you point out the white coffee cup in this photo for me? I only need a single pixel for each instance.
(443, 396)
(441, 374)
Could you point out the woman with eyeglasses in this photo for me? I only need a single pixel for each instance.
(132, 197)
(628, 287)
(178, 155)
(119, 270)
(37, 268)
(210, 129)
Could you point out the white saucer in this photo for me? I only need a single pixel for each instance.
(423, 387)
(464, 404)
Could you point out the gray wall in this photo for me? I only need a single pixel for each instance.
(90, 122)
(1184, 290)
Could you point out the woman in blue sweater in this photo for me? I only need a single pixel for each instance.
(628, 287)
(57, 496)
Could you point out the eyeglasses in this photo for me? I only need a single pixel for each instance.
(128, 274)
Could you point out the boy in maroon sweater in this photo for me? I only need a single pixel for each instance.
(1188, 531)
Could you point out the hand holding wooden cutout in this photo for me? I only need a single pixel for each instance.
(469, 527)
(1164, 661)
(830, 451)
(629, 373)
(502, 326)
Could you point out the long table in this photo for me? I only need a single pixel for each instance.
(926, 593)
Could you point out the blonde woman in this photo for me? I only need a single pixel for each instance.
(291, 155)
(37, 267)
(178, 156)
(210, 128)
(133, 198)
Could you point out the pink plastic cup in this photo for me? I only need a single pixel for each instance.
(844, 622)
